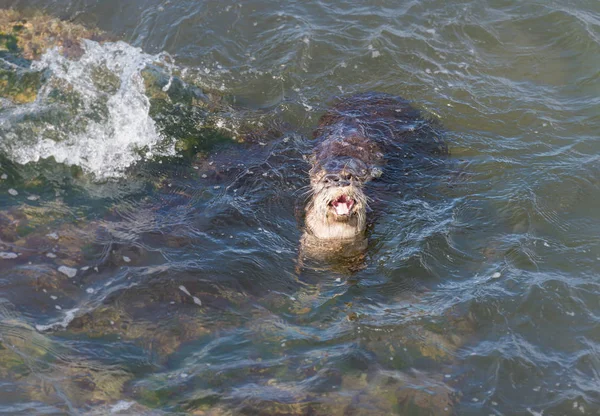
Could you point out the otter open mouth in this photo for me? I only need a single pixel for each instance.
(342, 205)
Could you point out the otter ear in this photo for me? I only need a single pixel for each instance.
(376, 173)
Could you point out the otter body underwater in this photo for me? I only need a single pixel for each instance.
(361, 138)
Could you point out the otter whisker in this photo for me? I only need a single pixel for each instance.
(303, 190)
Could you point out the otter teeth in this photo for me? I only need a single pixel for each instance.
(343, 205)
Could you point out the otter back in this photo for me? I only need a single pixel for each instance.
(374, 126)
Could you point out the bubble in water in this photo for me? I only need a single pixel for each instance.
(68, 271)
(121, 406)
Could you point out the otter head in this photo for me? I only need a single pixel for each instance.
(337, 209)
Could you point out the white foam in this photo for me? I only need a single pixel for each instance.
(184, 290)
(121, 406)
(110, 140)
(69, 316)
(196, 300)
(68, 271)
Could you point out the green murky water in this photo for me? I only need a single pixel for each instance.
(149, 197)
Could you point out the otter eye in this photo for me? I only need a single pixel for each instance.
(347, 176)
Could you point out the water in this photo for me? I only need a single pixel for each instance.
(111, 121)
(479, 291)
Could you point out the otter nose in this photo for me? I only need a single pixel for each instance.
(336, 179)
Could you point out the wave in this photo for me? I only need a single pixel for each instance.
(92, 112)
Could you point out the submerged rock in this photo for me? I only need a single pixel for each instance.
(84, 84)
(20, 87)
(38, 230)
(88, 90)
(359, 394)
(29, 34)
(184, 113)
(24, 37)
(46, 371)
(135, 321)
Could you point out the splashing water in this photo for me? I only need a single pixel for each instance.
(90, 113)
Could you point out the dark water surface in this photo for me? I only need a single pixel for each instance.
(181, 295)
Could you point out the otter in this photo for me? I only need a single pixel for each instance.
(355, 142)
